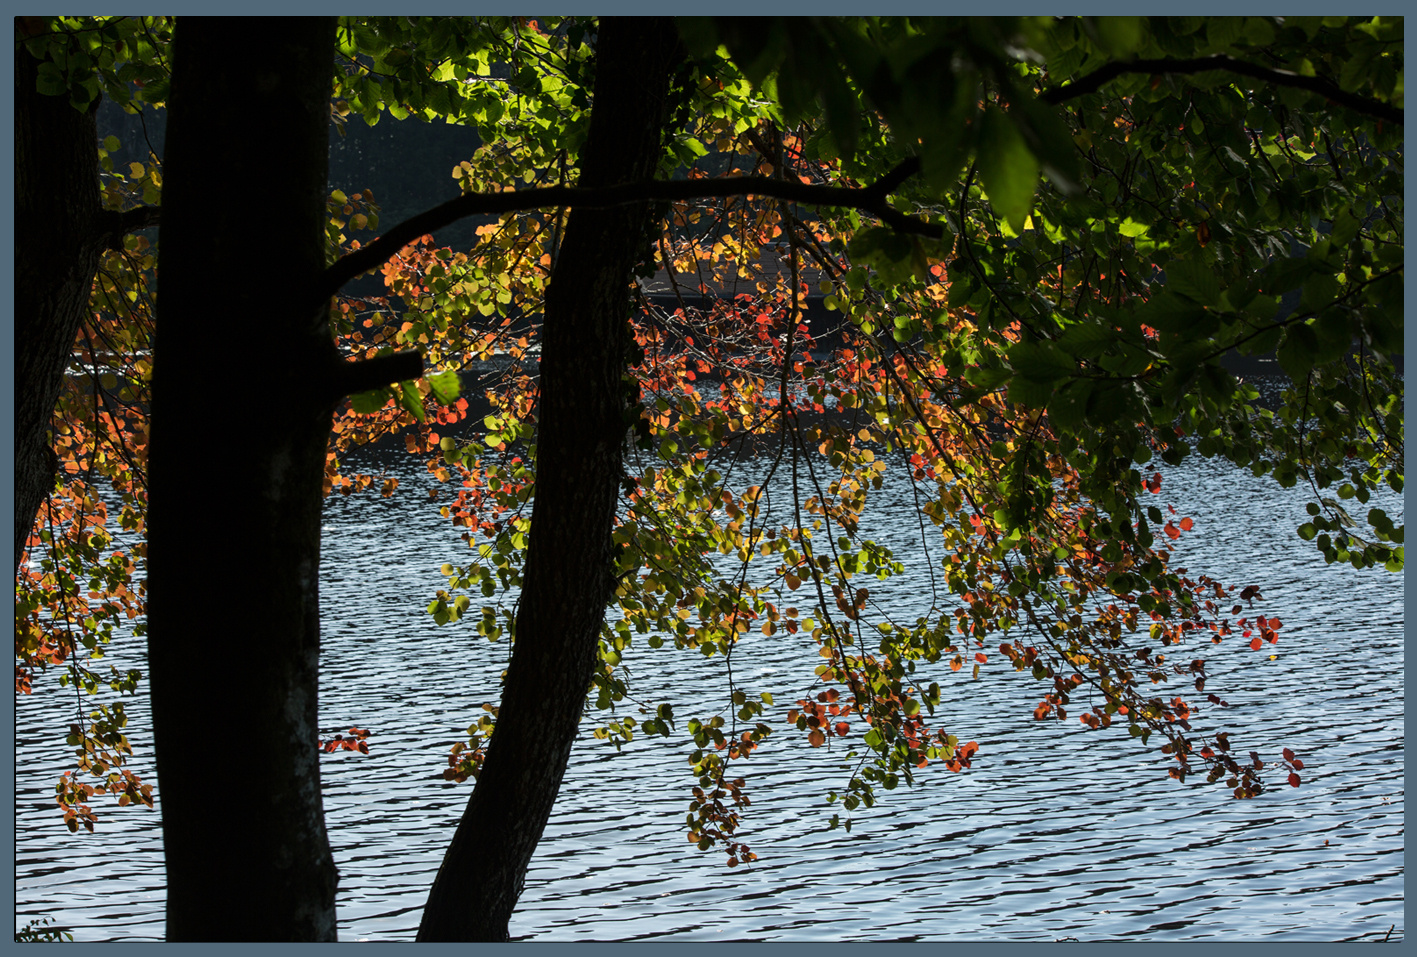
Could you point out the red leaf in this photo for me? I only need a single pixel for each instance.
(1288, 755)
(1171, 531)
(1153, 484)
(841, 728)
(1187, 524)
(980, 657)
(1298, 765)
(1256, 644)
(1293, 780)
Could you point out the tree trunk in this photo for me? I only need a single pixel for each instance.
(569, 571)
(239, 433)
(57, 249)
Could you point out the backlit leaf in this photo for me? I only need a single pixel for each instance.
(1009, 169)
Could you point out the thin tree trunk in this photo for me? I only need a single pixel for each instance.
(57, 214)
(240, 421)
(569, 570)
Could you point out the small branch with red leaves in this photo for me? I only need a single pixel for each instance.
(355, 742)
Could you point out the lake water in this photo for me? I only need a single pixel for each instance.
(1056, 832)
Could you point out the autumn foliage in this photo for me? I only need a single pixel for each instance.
(1018, 368)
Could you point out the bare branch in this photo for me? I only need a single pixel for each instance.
(1354, 101)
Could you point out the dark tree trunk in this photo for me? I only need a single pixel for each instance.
(241, 414)
(569, 570)
(57, 249)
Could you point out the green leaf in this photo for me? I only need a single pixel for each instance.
(891, 254)
(1318, 292)
(50, 81)
(1088, 339)
(1194, 280)
(1068, 407)
(1126, 362)
(1009, 169)
(445, 385)
(1297, 352)
(1119, 36)
(1030, 393)
(1048, 138)
(1286, 274)
(987, 378)
(1170, 312)
(1041, 361)
(1345, 228)
(366, 403)
(410, 399)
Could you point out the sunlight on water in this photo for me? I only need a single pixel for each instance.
(1056, 831)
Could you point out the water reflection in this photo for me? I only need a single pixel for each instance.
(1056, 832)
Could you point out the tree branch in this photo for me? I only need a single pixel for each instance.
(890, 182)
(870, 199)
(348, 378)
(115, 225)
(1354, 101)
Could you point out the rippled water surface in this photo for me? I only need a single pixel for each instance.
(1056, 831)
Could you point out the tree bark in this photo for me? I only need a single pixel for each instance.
(569, 572)
(233, 556)
(57, 250)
